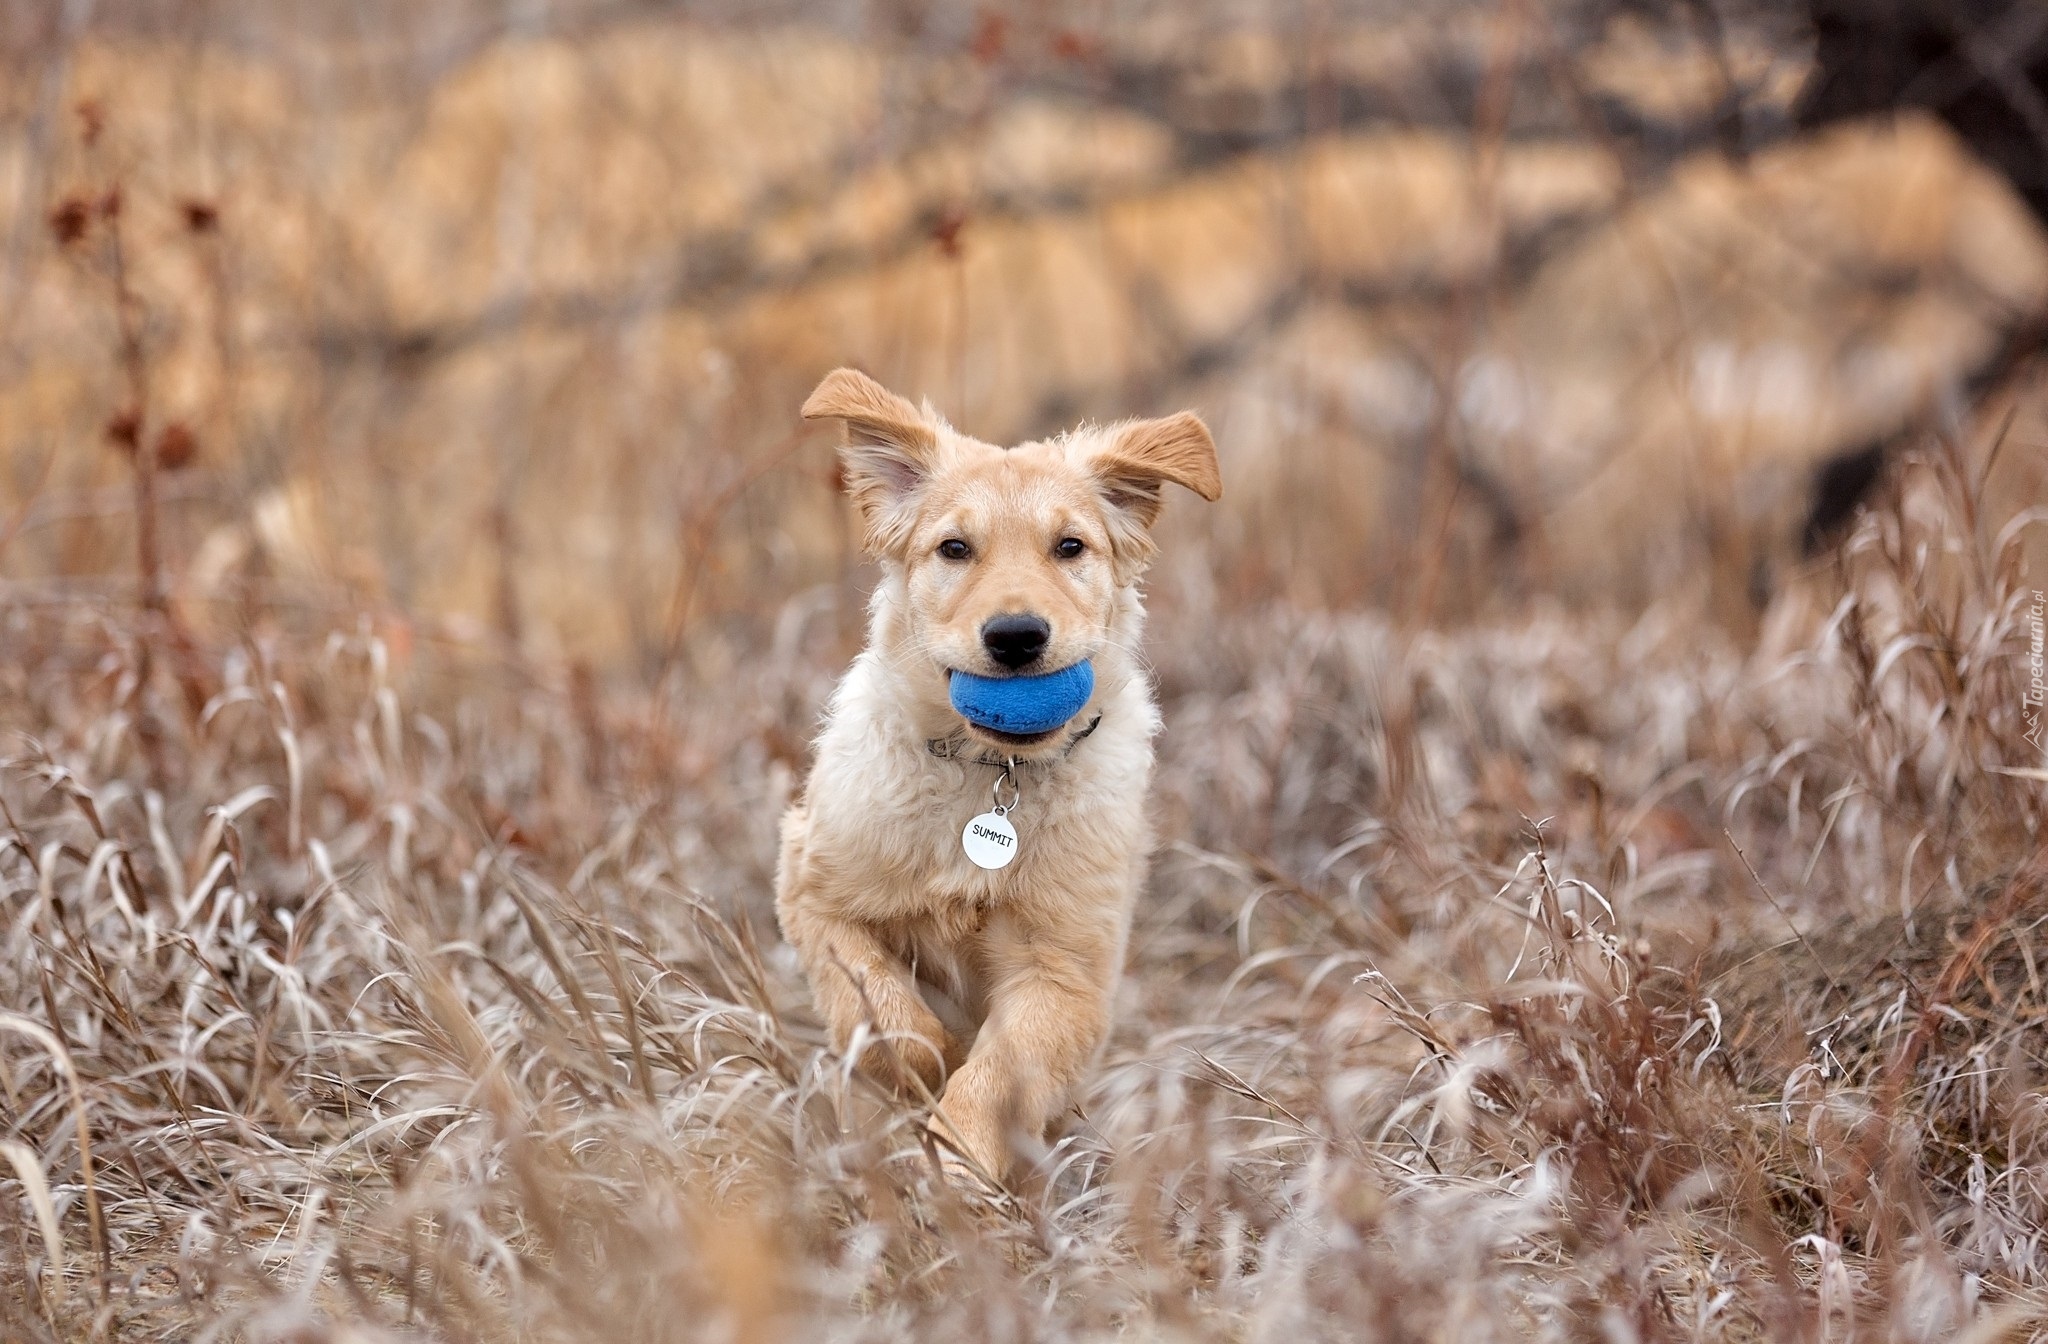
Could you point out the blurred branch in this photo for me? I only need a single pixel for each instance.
(55, 65)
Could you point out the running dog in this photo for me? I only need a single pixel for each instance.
(977, 967)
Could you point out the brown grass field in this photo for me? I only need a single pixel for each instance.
(1588, 908)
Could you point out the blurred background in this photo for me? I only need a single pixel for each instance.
(488, 323)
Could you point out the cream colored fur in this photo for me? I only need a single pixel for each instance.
(992, 988)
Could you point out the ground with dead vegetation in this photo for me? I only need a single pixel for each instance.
(1551, 978)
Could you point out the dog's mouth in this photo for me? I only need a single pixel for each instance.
(1014, 739)
(1021, 711)
(1009, 739)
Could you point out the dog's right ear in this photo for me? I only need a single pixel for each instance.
(888, 454)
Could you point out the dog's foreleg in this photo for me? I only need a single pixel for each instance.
(856, 979)
(1049, 992)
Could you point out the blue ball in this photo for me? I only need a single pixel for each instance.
(1023, 705)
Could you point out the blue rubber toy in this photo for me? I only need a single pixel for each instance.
(1023, 705)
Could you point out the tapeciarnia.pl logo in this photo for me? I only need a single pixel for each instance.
(2037, 675)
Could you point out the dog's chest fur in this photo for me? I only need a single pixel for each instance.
(885, 814)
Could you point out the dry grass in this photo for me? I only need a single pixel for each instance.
(385, 934)
(1546, 979)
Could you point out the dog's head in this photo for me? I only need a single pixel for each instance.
(1013, 561)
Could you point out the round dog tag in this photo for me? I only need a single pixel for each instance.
(990, 840)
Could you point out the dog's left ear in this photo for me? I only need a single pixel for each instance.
(1132, 469)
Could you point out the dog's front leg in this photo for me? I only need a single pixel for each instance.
(856, 979)
(1049, 992)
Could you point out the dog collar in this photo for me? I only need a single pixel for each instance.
(990, 840)
(950, 747)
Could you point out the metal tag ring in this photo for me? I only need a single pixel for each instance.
(996, 790)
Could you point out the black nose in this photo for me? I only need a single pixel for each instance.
(1015, 641)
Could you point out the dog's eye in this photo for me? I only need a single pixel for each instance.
(954, 549)
(1068, 548)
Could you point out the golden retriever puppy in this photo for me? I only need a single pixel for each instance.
(960, 894)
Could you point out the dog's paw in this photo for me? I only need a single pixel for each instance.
(914, 1066)
(966, 1164)
(963, 1174)
(932, 1056)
